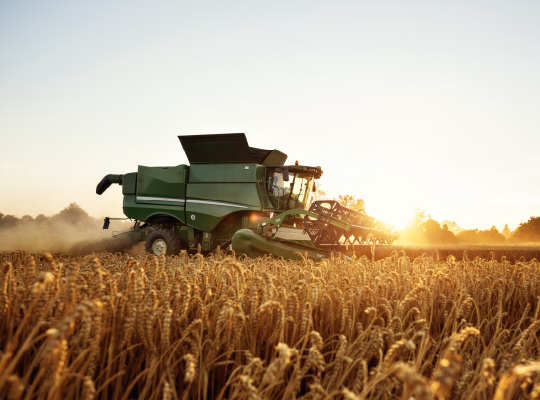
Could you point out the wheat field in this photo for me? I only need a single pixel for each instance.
(512, 253)
(112, 326)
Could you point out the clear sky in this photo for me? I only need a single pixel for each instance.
(430, 104)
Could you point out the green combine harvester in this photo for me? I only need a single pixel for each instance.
(239, 196)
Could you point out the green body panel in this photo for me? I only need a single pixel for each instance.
(275, 157)
(199, 173)
(229, 225)
(206, 217)
(143, 212)
(216, 191)
(161, 183)
(129, 183)
(243, 195)
(248, 242)
(159, 191)
(260, 174)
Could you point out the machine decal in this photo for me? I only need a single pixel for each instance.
(214, 203)
(144, 198)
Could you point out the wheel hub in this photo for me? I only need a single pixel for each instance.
(159, 247)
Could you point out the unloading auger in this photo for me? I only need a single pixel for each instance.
(326, 227)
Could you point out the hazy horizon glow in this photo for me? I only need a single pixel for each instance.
(404, 104)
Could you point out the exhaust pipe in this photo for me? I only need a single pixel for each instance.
(107, 181)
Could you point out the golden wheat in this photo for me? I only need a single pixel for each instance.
(110, 326)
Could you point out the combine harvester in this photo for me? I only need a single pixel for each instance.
(233, 194)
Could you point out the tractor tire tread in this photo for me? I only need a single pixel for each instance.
(174, 244)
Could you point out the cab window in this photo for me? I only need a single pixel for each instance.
(293, 193)
(300, 191)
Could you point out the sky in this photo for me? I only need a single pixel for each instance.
(404, 104)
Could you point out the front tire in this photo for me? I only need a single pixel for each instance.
(163, 240)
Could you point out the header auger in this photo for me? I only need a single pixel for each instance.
(246, 197)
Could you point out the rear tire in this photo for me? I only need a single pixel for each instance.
(163, 239)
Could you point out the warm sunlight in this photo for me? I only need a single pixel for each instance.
(269, 200)
(390, 211)
(395, 216)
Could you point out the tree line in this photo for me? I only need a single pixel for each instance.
(420, 229)
(428, 231)
(73, 214)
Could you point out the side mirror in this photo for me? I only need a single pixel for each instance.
(314, 187)
(286, 175)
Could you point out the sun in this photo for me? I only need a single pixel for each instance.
(398, 216)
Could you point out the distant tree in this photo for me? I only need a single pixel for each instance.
(491, 236)
(73, 214)
(506, 231)
(41, 218)
(27, 218)
(452, 226)
(418, 218)
(477, 236)
(434, 234)
(352, 202)
(420, 230)
(468, 236)
(527, 231)
(8, 221)
(413, 231)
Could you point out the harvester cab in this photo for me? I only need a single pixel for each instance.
(233, 194)
(290, 187)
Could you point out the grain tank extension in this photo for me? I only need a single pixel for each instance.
(233, 194)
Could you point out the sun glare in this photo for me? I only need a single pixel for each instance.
(395, 216)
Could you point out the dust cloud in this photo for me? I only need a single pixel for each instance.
(72, 231)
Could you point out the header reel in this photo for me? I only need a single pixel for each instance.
(361, 228)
